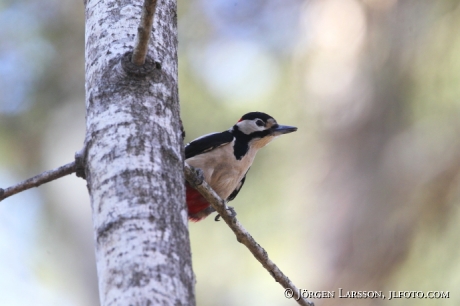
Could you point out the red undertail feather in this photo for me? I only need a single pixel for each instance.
(196, 204)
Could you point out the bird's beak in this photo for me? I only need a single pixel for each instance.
(282, 129)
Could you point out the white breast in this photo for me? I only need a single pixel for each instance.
(222, 171)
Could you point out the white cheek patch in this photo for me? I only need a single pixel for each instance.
(249, 126)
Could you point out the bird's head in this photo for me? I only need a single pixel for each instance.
(259, 128)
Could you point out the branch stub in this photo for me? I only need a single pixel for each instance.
(150, 67)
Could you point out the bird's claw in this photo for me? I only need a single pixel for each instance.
(232, 213)
(199, 177)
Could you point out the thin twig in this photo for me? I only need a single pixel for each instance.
(143, 32)
(38, 180)
(241, 234)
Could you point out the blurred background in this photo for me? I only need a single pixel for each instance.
(364, 196)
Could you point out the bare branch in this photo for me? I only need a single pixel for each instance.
(193, 177)
(38, 180)
(143, 32)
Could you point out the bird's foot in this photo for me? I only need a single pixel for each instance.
(230, 209)
(199, 176)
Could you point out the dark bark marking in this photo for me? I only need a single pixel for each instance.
(150, 68)
(110, 227)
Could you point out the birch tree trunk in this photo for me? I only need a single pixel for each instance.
(134, 163)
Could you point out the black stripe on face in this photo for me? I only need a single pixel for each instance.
(241, 146)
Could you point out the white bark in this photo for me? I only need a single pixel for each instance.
(134, 160)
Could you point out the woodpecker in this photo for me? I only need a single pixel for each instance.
(225, 158)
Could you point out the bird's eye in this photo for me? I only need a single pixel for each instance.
(260, 123)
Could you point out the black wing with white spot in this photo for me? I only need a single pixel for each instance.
(235, 192)
(207, 143)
